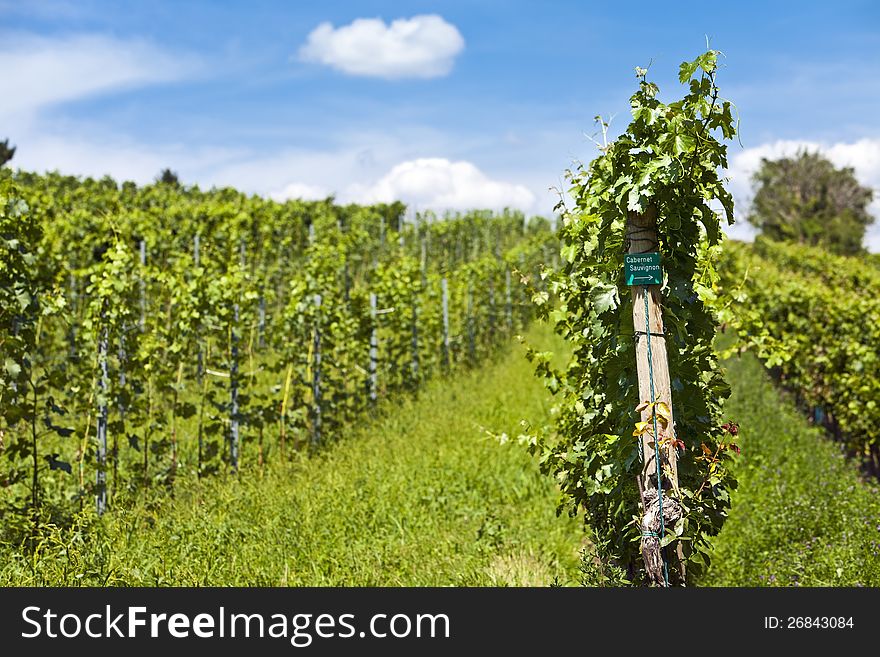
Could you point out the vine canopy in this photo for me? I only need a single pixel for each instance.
(666, 164)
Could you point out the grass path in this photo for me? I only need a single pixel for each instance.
(421, 496)
(424, 495)
(802, 516)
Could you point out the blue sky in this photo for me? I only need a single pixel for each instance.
(461, 104)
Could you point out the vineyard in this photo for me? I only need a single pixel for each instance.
(811, 319)
(205, 387)
(155, 335)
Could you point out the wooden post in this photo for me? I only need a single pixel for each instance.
(233, 392)
(469, 321)
(346, 276)
(261, 323)
(423, 262)
(444, 300)
(114, 451)
(200, 363)
(316, 375)
(235, 429)
(374, 352)
(101, 457)
(642, 238)
(143, 284)
(508, 301)
(491, 310)
(74, 315)
(414, 360)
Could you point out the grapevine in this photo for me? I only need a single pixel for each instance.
(664, 167)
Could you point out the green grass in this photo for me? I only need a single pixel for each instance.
(802, 516)
(422, 495)
(425, 495)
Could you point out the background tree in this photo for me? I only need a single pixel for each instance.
(6, 152)
(168, 177)
(806, 199)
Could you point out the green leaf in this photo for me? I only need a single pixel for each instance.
(12, 369)
(682, 143)
(687, 70)
(708, 61)
(634, 201)
(603, 297)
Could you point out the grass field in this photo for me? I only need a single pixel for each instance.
(422, 495)
(425, 495)
(802, 515)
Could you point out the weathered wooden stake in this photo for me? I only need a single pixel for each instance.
(101, 475)
(508, 301)
(316, 376)
(491, 310)
(444, 291)
(469, 321)
(414, 363)
(423, 262)
(114, 451)
(234, 429)
(74, 315)
(233, 392)
(374, 351)
(642, 238)
(143, 284)
(200, 364)
(261, 323)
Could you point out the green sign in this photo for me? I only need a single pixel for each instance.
(642, 269)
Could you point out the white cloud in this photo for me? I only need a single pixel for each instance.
(120, 158)
(40, 71)
(428, 183)
(418, 47)
(300, 190)
(313, 171)
(862, 155)
(440, 184)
